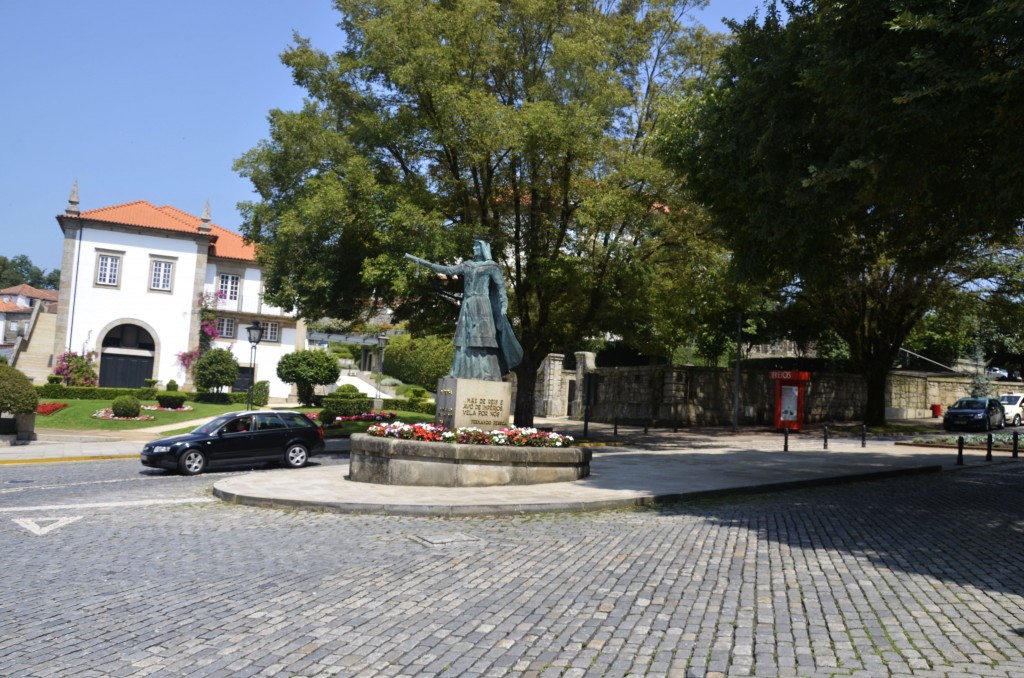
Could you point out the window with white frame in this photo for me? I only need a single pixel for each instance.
(229, 286)
(162, 275)
(271, 332)
(226, 327)
(108, 269)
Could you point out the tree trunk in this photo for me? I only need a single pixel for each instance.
(526, 383)
(876, 376)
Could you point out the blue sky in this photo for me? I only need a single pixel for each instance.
(149, 101)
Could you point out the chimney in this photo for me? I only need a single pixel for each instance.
(72, 208)
(204, 222)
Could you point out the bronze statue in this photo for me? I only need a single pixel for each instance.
(485, 346)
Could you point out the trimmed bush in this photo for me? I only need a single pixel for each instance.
(215, 369)
(54, 379)
(344, 407)
(306, 369)
(17, 396)
(145, 393)
(172, 385)
(261, 393)
(171, 401)
(347, 391)
(150, 383)
(126, 406)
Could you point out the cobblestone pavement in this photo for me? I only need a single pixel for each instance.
(918, 576)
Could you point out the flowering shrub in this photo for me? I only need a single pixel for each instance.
(183, 408)
(365, 416)
(49, 408)
(76, 369)
(513, 437)
(188, 358)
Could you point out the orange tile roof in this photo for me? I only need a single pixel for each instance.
(31, 292)
(225, 244)
(11, 307)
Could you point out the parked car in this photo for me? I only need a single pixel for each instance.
(1013, 407)
(237, 438)
(998, 373)
(980, 413)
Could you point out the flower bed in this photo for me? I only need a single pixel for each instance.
(107, 413)
(365, 416)
(49, 408)
(185, 408)
(510, 437)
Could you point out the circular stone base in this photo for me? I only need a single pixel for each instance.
(392, 461)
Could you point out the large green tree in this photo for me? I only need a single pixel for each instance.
(863, 156)
(526, 121)
(20, 269)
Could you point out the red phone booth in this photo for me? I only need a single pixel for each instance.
(789, 398)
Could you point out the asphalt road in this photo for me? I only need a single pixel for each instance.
(110, 569)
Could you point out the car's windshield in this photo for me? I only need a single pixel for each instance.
(1009, 399)
(969, 404)
(212, 425)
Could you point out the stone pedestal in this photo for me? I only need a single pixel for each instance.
(463, 403)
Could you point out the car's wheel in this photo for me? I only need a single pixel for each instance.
(1016, 420)
(192, 462)
(1002, 421)
(296, 456)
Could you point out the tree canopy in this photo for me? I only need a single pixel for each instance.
(527, 122)
(20, 270)
(863, 159)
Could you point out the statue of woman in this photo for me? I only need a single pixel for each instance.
(485, 346)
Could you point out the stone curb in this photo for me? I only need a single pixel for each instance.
(560, 507)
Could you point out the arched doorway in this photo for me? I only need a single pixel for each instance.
(126, 356)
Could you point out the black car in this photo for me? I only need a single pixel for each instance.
(238, 438)
(980, 413)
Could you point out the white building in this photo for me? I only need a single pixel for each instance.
(131, 279)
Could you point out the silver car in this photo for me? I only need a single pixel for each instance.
(1013, 405)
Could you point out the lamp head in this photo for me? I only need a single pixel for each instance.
(255, 332)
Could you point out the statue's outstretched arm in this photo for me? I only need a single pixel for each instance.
(438, 268)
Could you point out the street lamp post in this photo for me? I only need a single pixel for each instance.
(382, 341)
(255, 332)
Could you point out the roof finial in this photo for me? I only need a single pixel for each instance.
(204, 222)
(72, 207)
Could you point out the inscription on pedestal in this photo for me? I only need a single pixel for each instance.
(473, 403)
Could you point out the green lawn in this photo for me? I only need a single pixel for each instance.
(78, 415)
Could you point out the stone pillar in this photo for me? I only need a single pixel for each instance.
(550, 395)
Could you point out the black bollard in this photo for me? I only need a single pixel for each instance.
(826, 437)
(960, 451)
(988, 453)
(785, 440)
(1016, 441)
(616, 429)
(647, 426)
(863, 435)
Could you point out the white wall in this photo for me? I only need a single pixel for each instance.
(167, 315)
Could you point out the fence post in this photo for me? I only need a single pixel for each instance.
(647, 426)
(616, 430)
(988, 453)
(1016, 443)
(960, 451)
(826, 437)
(785, 440)
(863, 435)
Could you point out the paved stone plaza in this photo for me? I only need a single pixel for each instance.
(148, 576)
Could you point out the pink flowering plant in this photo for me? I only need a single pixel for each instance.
(77, 370)
(511, 437)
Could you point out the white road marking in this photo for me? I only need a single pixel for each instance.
(110, 504)
(35, 528)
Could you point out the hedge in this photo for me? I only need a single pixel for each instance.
(61, 392)
(171, 401)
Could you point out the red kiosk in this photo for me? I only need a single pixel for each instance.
(789, 398)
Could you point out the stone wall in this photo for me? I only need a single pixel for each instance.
(703, 396)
